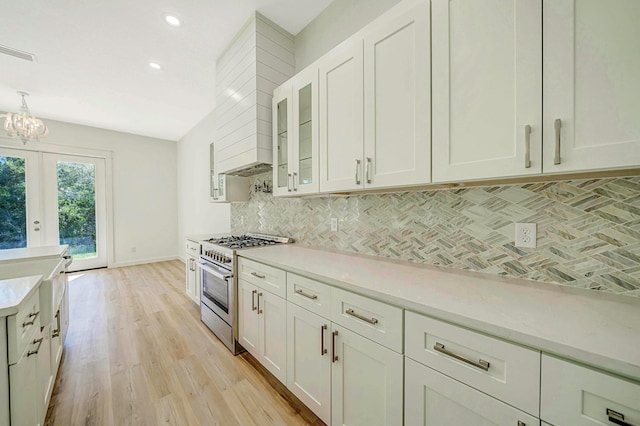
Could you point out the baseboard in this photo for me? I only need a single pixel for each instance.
(143, 261)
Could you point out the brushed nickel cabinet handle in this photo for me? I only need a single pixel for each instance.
(308, 296)
(368, 167)
(323, 350)
(253, 301)
(558, 125)
(527, 146)
(262, 277)
(289, 179)
(33, 319)
(39, 342)
(521, 423)
(360, 317)
(482, 364)
(334, 357)
(56, 333)
(617, 418)
(295, 175)
(358, 172)
(259, 310)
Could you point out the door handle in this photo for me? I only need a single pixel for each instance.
(259, 310)
(368, 178)
(295, 175)
(323, 350)
(527, 146)
(39, 342)
(617, 418)
(358, 172)
(289, 180)
(557, 125)
(334, 357)
(56, 333)
(253, 301)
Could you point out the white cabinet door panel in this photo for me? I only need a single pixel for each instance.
(366, 386)
(341, 118)
(24, 395)
(272, 311)
(486, 87)
(397, 99)
(309, 360)
(591, 67)
(248, 321)
(433, 399)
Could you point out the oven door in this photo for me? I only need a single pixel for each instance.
(217, 289)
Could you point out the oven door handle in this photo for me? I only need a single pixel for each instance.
(216, 273)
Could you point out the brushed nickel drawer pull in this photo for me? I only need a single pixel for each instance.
(482, 364)
(558, 125)
(521, 423)
(334, 357)
(33, 319)
(368, 167)
(259, 310)
(360, 317)
(295, 176)
(289, 180)
(39, 342)
(253, 300)
(308, 296)
(262, 277)
(527, 146)
(617, 418)
(323, 350)
(357, 172)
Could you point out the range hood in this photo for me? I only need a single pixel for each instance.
(259, 59)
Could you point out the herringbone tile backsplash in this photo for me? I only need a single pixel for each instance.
(588, 230)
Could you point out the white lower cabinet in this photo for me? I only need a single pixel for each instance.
(366, 381)
(262, 324)
(309, 359)
(342, 376)
(433, 399)
(23, 377)
(192, 271)
(576, 395)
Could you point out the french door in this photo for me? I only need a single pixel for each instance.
(50, 199)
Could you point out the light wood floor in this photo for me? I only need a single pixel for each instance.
(137, 354)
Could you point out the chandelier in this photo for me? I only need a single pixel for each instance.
(24, 125)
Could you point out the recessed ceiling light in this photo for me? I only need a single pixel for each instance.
(156, 66)
(172, 20)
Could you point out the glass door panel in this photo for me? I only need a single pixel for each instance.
(19, 203)
(75, 207)
(305, 131)
(283, 149)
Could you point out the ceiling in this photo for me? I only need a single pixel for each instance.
(92, 58)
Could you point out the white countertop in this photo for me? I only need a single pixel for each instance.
(32, 253)
(602, 330)
(14, 291)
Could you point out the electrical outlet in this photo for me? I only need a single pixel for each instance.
(334, 224)
(526, 235)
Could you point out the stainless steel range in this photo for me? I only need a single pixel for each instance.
(219, 284)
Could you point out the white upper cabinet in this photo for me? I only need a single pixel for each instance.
(375, 104)
(486, 88)
(295, 118)
(591, 87)
(397, 121)
(341, 118)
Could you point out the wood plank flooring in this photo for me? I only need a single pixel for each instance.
(137, 354)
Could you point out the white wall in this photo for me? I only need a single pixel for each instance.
(144, 192)
(196, 215)
(336, 23)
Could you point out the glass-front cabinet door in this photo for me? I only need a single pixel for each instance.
(305, 128)
(295, 133)
(282, 124)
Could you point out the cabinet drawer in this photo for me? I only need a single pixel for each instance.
(375, 320)
(266, 277)
(511, 373)
(193, 248)
(23, 327)
(573, 394)
(312, 295)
